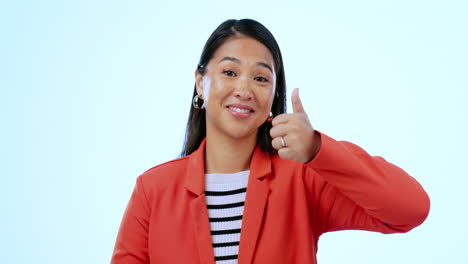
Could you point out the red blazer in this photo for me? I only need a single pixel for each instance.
(288, 206)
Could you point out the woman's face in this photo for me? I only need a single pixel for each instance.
(238, 87)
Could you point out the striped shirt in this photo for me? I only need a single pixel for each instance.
(225, 197)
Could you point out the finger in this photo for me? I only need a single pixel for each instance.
(276, 143)
(279, 130)
(279, 119)
(296, 102)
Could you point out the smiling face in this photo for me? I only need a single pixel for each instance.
(238, 88)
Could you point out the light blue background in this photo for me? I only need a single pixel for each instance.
(93, 93)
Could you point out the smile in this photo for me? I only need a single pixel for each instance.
(239, 110)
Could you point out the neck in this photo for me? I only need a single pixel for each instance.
(224, 154)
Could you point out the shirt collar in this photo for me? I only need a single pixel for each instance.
(260, 167)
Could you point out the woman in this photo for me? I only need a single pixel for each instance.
(251, 188)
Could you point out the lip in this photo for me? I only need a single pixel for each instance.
(238, 114)
(241, 106)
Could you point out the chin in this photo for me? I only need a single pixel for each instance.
(241, 132)
(234, 129)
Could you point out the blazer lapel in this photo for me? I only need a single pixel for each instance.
(201, 229)
(255, 203)
(254, 208)
(195, 183)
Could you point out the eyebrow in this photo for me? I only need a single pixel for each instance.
(236, 60)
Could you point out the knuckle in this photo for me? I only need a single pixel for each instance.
(273, 143)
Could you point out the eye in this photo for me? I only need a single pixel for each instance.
(261, 79)
(229, 73)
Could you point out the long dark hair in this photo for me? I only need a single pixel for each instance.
(196, 127)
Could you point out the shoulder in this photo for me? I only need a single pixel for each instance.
(175, 164)
(165, 173)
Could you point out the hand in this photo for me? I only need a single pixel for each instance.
(301, 141)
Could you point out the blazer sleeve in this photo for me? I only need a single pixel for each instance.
(353, 190)
(131, 246)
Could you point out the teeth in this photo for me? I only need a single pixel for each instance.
(239, 110)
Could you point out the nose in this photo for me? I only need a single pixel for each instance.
(243, 91)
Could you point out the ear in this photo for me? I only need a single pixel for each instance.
(199, 83)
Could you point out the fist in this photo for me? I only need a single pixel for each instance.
(293, 135)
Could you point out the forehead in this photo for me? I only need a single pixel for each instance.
(245, 49)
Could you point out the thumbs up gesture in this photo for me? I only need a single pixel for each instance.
(293, 135)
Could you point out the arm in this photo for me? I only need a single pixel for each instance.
(131, 246)
(349, 188)
(353, 190)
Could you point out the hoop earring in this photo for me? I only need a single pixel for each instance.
(195, 103)
(270, 117)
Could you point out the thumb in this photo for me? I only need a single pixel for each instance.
(296, 102)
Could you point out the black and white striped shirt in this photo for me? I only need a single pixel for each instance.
(225, 197)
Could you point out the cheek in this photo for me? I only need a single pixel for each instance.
(206, 88)
(273, 90)
(219, 89)
(266, 98)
